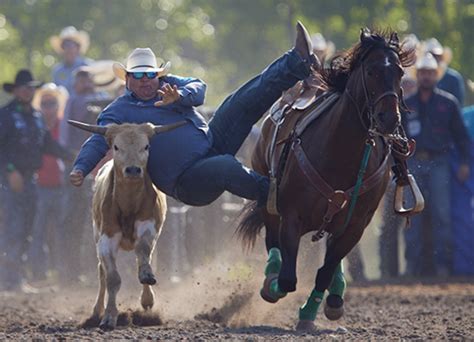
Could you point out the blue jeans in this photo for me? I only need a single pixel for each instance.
(433, 178)
(49, 212)
(19, 211)
(219, 171)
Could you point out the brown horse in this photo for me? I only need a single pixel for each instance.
(327, 155)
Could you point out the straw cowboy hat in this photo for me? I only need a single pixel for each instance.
(70, 33)
(59, 92)
(322, 45)
(23, 77)
(102, 75)
(140, 60)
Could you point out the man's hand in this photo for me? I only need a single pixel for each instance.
(76, 177)
(463, 173)
(15, 180)
(168, 95)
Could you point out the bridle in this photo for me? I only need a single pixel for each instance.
(369, 105)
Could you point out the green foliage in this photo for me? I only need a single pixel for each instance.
(224, 42)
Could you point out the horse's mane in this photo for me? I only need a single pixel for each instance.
(335, 77)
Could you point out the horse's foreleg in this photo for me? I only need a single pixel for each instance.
(330, 276)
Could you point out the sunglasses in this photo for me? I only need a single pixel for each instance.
(139, 75)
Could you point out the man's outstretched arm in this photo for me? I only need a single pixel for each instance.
(92, 151)
(192, 91)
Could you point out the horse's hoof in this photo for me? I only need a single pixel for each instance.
(265, 292)
(305, 325)
(334, 308)
(147, 279)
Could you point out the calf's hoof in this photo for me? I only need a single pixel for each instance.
(109, 322)
(334, 308)
(147, 279)
(305, 325)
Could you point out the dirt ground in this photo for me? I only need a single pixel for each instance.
(224, 304)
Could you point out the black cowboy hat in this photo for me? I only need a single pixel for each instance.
(23, 77)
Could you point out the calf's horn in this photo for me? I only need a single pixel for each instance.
(166, 128)
(90, 128)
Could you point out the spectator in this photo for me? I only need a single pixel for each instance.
(50, 99)
(435, 122)
(77, 201)
(71, 44)
(24, 140)
(451, 80)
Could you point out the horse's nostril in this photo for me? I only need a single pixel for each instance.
(133, 170)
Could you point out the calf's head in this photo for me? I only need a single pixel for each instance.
(130, 144)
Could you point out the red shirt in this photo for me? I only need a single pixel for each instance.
(51, 173)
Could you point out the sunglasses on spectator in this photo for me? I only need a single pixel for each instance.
(139, 75)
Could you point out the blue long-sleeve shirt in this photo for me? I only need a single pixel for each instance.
(437, 125)
(170, 153)
(453, 83)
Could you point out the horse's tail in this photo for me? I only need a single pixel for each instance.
(250, 224)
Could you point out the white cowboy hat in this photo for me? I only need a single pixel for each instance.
(427, 62)
(140, 60)
(59, 92)
(70, 33)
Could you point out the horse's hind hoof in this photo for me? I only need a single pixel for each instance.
(334, 308)
(265, 292)
(305, 325)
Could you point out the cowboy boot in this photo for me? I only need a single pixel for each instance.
(304, 47)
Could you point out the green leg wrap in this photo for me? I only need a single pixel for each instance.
(275, 289)
(273, 262)
(338, 283)
(309, 309)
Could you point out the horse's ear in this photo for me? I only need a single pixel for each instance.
(364, 34)
(394, 39)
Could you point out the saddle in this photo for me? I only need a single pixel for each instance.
(291, 114)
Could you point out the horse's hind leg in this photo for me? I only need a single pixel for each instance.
(273, 266)
(289, 239)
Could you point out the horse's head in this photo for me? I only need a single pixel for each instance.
(381, 73)
(370, 74)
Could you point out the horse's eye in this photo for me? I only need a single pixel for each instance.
(116, 148)
(147, 147)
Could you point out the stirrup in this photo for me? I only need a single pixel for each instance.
(417, 195)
